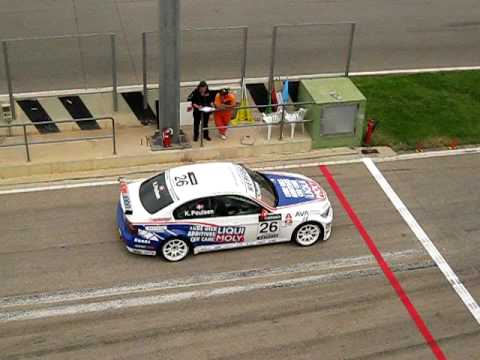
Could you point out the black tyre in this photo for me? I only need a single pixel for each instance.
(308, 233)
(175, 250)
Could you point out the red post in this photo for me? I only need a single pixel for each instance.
(370, 129)
(454, 143)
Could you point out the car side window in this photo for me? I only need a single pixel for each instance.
(235, 206)
(195, 209)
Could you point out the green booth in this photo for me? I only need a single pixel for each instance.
(337, 118)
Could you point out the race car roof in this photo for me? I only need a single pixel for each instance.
(209, 179)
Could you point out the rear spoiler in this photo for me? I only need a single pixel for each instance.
(127, 204)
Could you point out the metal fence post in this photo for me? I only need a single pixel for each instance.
(114, 140)
(282, 122)
(25, 137)
(272, 60)
(9, 80)
(114, 72)
(244, 61)
(350, 49)
(144, 70)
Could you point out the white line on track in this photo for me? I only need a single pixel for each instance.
(422, 236)
(425, 155)
(124, 303)
(197, 280)
(76, 309)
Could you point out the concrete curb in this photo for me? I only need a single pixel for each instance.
(21, 170)
(142, 167)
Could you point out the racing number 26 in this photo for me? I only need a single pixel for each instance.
(186, 179)
(269, 227)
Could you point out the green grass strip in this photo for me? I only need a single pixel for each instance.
(431, 109)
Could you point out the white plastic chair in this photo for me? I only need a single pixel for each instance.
(292, 118)
(271, 119)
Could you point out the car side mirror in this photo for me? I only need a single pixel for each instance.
(263, 214)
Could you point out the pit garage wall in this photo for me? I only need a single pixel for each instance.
(98, 105)
(54, 108)
(315, 114)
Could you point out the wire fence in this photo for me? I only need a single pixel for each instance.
(208, 53)
(316, 48)
(39, 63)
(74, 61)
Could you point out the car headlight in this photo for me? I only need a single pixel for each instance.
(325, 212)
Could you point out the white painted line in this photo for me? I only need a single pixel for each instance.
(414, 71)
(431, 154)
(251, 80)
(58, 187)
(413, 156)
(422, 236)
(197, 280)
(232, 83)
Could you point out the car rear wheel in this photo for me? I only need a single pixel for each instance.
(308, 234)
(175, 250)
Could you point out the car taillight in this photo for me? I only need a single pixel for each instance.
(132, 228)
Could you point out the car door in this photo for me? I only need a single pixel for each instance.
(237, 218)
(195, 219)
(219, 222)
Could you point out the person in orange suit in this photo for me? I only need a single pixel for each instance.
(224, 104)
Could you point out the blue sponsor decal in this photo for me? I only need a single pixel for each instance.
(293, 190)
(152, 236)
(197, 234)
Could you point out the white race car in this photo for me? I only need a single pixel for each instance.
(216, 206)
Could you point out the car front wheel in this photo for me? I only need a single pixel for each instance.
(175, 250)
(308, 234)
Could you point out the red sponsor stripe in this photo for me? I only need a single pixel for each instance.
(422, 327)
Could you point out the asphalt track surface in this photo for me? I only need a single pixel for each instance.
(390, 35)
(70, 290)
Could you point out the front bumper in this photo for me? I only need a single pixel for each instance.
(327, 231)
(327, 224)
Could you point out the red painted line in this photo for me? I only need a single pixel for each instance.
(422, 327)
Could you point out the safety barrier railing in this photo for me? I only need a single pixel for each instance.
(280, 124)
(27, 143)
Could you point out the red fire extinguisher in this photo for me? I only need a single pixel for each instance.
(167, 137)
(370, 128)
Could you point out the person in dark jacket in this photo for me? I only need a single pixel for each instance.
(201, 98)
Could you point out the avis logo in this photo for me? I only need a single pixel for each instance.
(303, 213)
(230, 234)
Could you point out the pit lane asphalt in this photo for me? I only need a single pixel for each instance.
(66, 240)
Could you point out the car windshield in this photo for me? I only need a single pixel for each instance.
(154, 194)
(268, 194)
